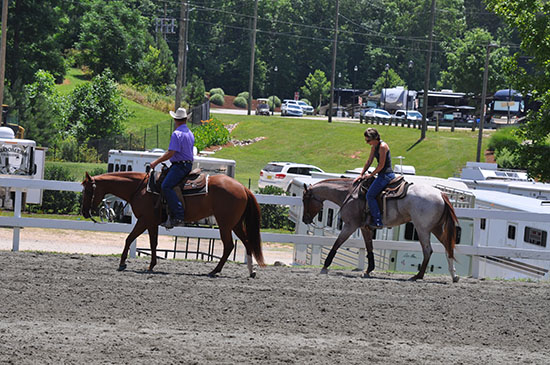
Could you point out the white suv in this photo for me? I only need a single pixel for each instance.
(410, 114)
(281, 174)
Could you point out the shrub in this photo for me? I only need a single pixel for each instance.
(217, 91)
(240, 102)
(275, 216)
(210, 133)
(244, 95)
(58, 202)
(69, 149)
(503, 138)
(507, 159)
(217, 99)
(270, 101)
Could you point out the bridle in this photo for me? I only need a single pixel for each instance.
(310, 196)
(91, 200)
(93, 194)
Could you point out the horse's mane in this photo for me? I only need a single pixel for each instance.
(339, 183)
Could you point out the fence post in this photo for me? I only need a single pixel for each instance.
(145, 140)
(437, 123)
(453, 125)
(157, 135)
(17, 214)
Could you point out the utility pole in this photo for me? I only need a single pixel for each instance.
(483, 97)
(186, 46)
(427, 76)
(252, 53)
(332, 76)
(181, 54)
(3, 54)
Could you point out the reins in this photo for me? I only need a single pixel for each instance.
(125, 205)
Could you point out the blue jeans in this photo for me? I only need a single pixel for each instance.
(376, 187)
(174, 176)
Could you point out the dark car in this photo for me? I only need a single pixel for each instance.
(262, 109)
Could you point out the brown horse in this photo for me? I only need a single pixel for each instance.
(233, 205)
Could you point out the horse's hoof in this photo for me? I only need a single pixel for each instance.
(456, 279)
(415, 278)
(121, 267)
(212, 274)
(366, 275)
(253, 274)
(324, 271)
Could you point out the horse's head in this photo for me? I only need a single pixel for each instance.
(91, 196)
(312, 205)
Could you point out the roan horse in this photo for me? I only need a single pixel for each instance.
(428, 208)
(233, 205)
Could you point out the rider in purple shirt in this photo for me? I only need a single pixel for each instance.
(180, 154)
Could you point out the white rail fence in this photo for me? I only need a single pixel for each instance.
(17, 222)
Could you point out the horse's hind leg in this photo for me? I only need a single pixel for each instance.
(239, 231)
(438, 232)
(228, 245)
(424, 238)
(138, 229)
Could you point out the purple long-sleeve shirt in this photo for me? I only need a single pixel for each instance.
(181, 143)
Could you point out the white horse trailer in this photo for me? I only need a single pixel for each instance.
(140, 161)
(20, 157)
(487, 176)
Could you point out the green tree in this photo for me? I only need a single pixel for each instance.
(466, 62)
(531, 19)
(32, 41)
(113, 36)
(42, 111)
(96, 110)
(194, 91)
(317, 87)
(156, 68)
(388, 80)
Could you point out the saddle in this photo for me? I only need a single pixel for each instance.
(396, 189)
(195, 183)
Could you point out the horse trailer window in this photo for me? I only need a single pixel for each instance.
(458, 234)
(535, 236)
(110, 167)
(340, 222)
(482, 223)
(130, 168)
(122, 167)
(320, 215)
(329, 217)
(512, 232)
(410, 232)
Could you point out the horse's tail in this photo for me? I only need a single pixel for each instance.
(450, 222)
(252, 217)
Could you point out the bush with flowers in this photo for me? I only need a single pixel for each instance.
(211, 132)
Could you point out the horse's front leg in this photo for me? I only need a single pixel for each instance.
(153, 242)
(138, 229)
(367, 237)
(346, 231)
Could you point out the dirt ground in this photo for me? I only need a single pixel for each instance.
(74, 308)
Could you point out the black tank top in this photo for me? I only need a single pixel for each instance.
(387, 166)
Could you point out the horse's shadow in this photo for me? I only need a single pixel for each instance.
(385, 278)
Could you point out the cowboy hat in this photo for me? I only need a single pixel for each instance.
(181, 113)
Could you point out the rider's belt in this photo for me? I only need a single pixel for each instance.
(182, 162)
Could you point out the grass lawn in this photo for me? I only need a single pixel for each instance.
(334, 147)
(339, 146)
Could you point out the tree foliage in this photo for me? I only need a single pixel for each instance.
(316, 87)
(531, 19)
(96, 110)
(466, 63)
